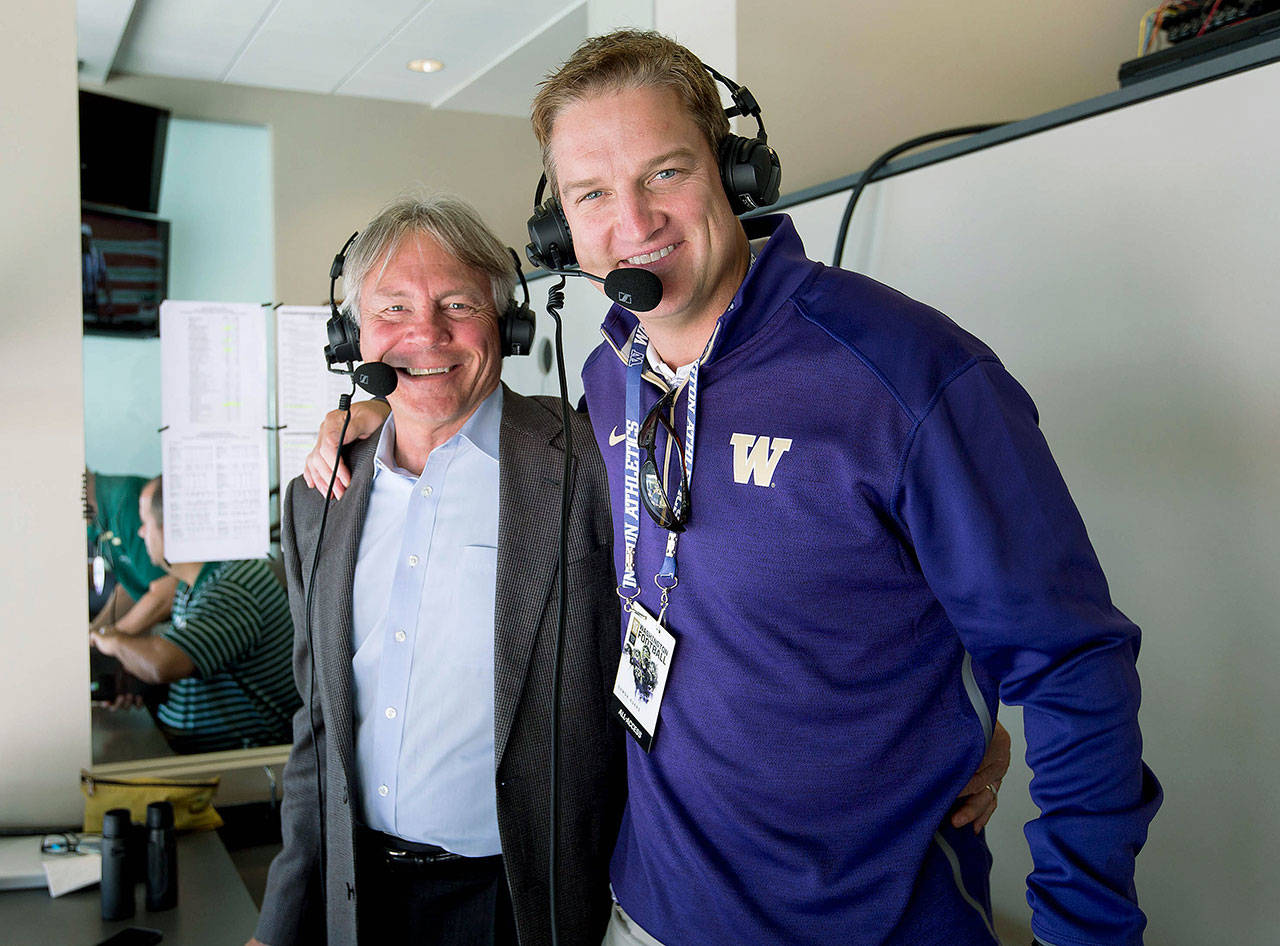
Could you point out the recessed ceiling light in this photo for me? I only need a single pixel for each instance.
(425, 65)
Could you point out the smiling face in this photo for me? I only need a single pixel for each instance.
(641, 187)
(431, 318)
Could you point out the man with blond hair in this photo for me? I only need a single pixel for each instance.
(874, 547)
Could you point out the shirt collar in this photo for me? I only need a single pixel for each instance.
(656, 364)
(481, 430)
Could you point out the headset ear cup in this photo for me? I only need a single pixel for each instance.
(344, 339)
(768, 173)
(548, 229)
(343, 334)
(727, 156)
(750, 172)
(517, 329)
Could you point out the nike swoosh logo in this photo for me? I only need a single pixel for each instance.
(616, 438)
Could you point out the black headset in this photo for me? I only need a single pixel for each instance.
(749, 170)
(515, 325)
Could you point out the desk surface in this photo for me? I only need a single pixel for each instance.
(213, 906)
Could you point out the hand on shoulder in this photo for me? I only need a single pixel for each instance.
(366, 418)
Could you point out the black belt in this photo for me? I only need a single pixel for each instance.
(398, 852)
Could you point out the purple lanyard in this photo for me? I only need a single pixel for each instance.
(666, 578)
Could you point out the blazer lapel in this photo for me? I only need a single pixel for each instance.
(530, 469)
(335, 579)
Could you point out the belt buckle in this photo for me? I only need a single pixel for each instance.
(397, 856)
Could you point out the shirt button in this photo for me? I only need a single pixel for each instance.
(391, 712)
(413, 561)
(426, 491)
(383, 790)
(400, 636)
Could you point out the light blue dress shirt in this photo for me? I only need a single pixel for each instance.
(422, 629)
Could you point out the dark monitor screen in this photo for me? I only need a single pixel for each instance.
(124, 268)
(121, 152)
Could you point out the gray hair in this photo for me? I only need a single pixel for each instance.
(451, 222)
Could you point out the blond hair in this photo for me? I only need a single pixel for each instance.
(628, 59)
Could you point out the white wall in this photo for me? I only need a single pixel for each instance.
(585, 306)
(1116, 265)
(841, 82)
(44, 706)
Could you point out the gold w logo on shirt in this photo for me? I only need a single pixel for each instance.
(757, 457)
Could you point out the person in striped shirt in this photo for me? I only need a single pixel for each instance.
(226, 657)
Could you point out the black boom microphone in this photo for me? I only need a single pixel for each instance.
(376, 377)
(636, 289)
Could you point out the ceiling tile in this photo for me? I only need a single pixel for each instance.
(100, 26)
(469, 36)
(188, 40)
(507, 88)
(494, 50)
(312, 46)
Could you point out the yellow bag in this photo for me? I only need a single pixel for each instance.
(192, 801)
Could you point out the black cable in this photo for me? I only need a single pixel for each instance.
(744, 103)
(874, 168)
(344, 404)
(555, 301)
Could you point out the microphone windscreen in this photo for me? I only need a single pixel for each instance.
(376, 377)
(637, 289)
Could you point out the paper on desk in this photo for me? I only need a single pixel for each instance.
(213, 367)
(69, 872)
(215, 495)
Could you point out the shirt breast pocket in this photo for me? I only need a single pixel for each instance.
(474, 594)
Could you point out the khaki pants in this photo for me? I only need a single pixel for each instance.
(624, 931)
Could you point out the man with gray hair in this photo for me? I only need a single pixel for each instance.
(416, 795)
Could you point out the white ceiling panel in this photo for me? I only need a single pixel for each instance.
(494, 50)
(303, 62)
(420, 92)
(468, 37)
(507, 88)
(189, 40)
(313, 46)
(368, 20)
(100, 26)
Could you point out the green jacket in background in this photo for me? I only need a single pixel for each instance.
(115, 530)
